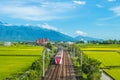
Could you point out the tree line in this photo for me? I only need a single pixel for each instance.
(102, 42)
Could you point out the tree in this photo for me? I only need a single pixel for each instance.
(31, 75)
(94, 76)
(49, 45)
(37, 66)
(90, 67)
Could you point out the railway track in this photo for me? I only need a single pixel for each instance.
(64, 71)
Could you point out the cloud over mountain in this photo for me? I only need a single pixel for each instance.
(78, 32)
(46, 26)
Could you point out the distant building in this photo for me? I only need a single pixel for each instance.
(52, 42)
(42, 41)
(70, 43)
(7, 43)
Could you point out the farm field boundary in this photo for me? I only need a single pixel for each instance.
(15, 60)
(108, 55)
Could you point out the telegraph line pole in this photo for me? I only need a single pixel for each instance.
(43, 59)
(81, 65)
(74, 51)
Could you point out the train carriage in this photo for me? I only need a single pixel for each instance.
(59, 56)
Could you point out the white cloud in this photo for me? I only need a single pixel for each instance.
(100, 24)
(37, 11)
(28, 13)
(65, 33)
(80, 33)
(107, 18)
(27, 25)
(99, 6)
(80, 2)
(46, 26)
(8, 25)
(111, 0)
(116, 10)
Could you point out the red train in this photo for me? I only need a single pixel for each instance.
(59, 56)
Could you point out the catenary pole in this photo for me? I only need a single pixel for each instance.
(43, 59)
(81, 65)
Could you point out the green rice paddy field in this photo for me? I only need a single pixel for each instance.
(109, 55)
(14, 60)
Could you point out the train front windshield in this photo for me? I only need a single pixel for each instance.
(58, 57)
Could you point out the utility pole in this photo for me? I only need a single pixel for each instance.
(81, 65)
(74, 52)
(43, 59)
(71, 48)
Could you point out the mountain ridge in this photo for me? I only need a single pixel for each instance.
(87, 38)
(31, 33)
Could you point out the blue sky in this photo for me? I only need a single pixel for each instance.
(94, 18)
